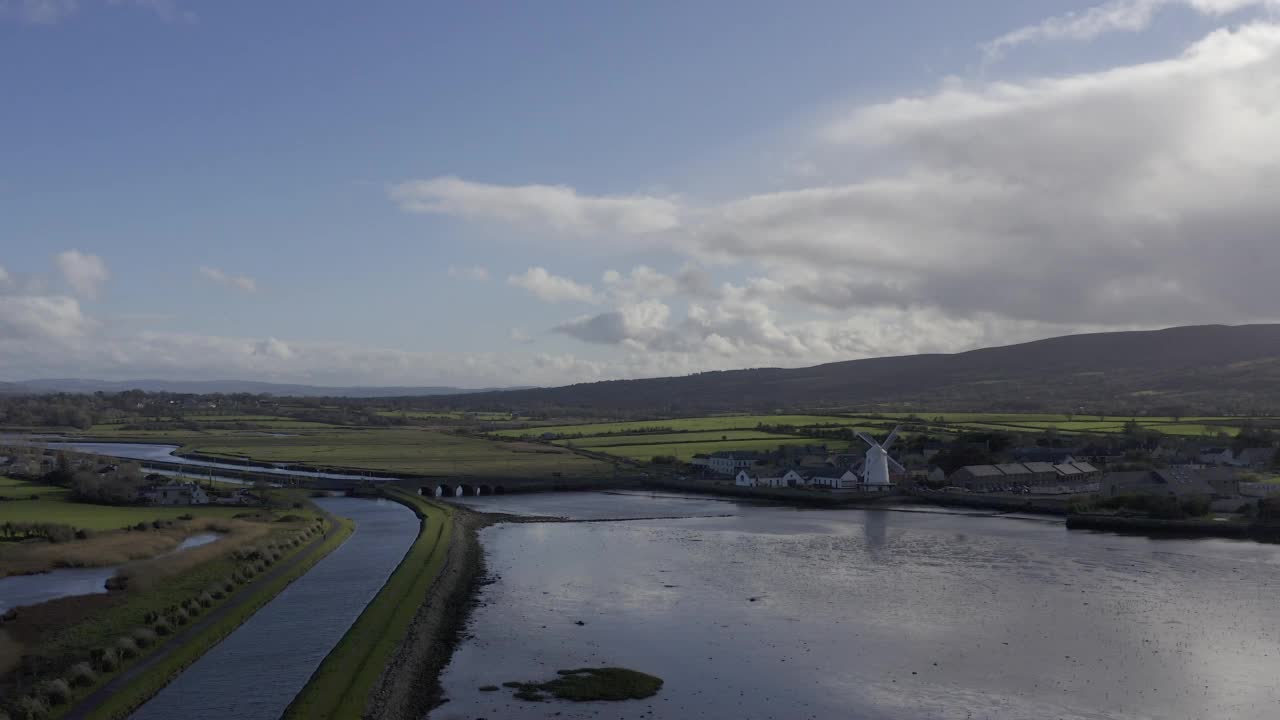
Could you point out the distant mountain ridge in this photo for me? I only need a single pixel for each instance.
(203, 387)
(1205, 369)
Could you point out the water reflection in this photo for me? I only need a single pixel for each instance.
(777, 613)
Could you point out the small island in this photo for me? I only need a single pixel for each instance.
(590, 684)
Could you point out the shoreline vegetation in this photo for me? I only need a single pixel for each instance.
(111, 652)
(165, 666)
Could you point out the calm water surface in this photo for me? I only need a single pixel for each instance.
(259, 668)
(783, 613)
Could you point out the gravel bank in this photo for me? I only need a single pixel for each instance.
(409, 686)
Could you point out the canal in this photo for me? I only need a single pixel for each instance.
(256, 671)
(785, 613)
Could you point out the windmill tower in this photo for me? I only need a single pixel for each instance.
(875, 470)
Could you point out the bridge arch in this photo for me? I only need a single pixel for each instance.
(443, 490)
(499, 490)
(460, 490)
(484, 490)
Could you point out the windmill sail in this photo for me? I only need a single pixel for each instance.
(875, 471)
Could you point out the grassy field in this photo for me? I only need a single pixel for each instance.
(340, 687)
(12, 488)
(54, 507)
(406, 450)
(714, 436)
(686, 451)
(710, 423)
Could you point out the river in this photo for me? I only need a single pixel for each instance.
(257, 670)
(157, 452)
(784, 613)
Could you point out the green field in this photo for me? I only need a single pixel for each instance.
(686, 451)
(715, 422)
(714, 436)
(405, 450)
(55, 508)
(19, 489)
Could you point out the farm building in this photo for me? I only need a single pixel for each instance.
(729, 462)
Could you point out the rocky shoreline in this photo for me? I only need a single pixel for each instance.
(410, 685)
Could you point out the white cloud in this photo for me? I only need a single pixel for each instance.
(1138, 195)
(236, 282)
(28, 317)
(636, 324)
(474, 272)
(556, 209)
(4, 277)
(553, 288)
(49, 12)
(167, 10)
(642, 282)
(86, 274)
(41, 12)
(1114, 16)
(520, 337)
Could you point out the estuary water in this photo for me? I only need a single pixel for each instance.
(257, 670)
(786, 614)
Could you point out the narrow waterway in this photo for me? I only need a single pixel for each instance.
(20, 590)
(789, 614)
(256, 671)
(157, 452)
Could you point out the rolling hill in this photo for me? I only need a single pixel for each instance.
(1212, 369)
(202, 387)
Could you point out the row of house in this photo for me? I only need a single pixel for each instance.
(848, 480)
(988, 478)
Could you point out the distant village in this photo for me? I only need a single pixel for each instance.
(110, 482)
(1215, 473)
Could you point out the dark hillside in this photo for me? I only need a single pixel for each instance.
(1201, 369)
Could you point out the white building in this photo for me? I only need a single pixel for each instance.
(728, 462)
(744, 479)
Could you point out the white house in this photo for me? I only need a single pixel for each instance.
(744, 479)
(177, 494)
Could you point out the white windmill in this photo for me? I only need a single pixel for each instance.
(875, 470)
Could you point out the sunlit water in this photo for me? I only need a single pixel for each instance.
(259, 668)
(782, 613)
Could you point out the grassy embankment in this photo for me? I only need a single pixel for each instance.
(200, 580)
(144, 687)
(341, 686)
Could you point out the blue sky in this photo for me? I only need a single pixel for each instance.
(431, 193)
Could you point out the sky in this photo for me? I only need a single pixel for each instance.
(496, 194)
